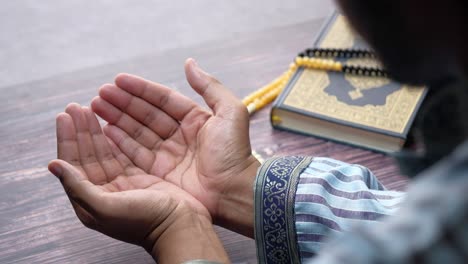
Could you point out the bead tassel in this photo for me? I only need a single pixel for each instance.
(312, 59)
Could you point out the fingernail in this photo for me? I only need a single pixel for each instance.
(199, 71)
(196, 69)
(195, 63)
(56, 170)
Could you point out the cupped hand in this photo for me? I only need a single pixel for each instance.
(108, 192)
(206, 152)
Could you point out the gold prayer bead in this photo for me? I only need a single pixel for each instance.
(276, 119)
(320, 65)
(293, 66)
(337, 66)
(299, 60)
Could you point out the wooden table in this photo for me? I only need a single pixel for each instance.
(37, 223)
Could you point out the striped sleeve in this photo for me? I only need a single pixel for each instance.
(430, 227)
(299, 201)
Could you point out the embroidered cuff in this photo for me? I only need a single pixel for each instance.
(275, 189)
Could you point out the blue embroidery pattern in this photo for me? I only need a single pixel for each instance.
(274, 208)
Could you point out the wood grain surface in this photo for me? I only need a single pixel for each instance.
(37, 223)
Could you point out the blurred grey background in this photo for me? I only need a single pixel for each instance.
(41, 39)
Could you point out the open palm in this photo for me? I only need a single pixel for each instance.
(108, 192)
(170, 136)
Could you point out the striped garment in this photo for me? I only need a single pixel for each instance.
(321, 210)
(332, 196)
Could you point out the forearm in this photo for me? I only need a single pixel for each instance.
(236, 210)
(190, 237)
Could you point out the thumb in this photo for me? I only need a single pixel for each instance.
(220, 99)
(64, 170)
(78, 189)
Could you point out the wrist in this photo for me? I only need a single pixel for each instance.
(235, 206)
(186, 235)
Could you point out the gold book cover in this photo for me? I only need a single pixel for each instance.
(370, 112)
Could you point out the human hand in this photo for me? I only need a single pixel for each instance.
(206, 153)
(113, 196)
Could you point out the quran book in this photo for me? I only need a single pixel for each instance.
(371, 112)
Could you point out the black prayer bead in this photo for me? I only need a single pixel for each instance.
(346, 53)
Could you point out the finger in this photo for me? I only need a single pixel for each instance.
(67, 146)
(125, 162)
(221, 100)
(87, 156)
(142, 111)
(102, 149)
(78, 189)
(135, 129)
(138, 154)
(173, 103)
